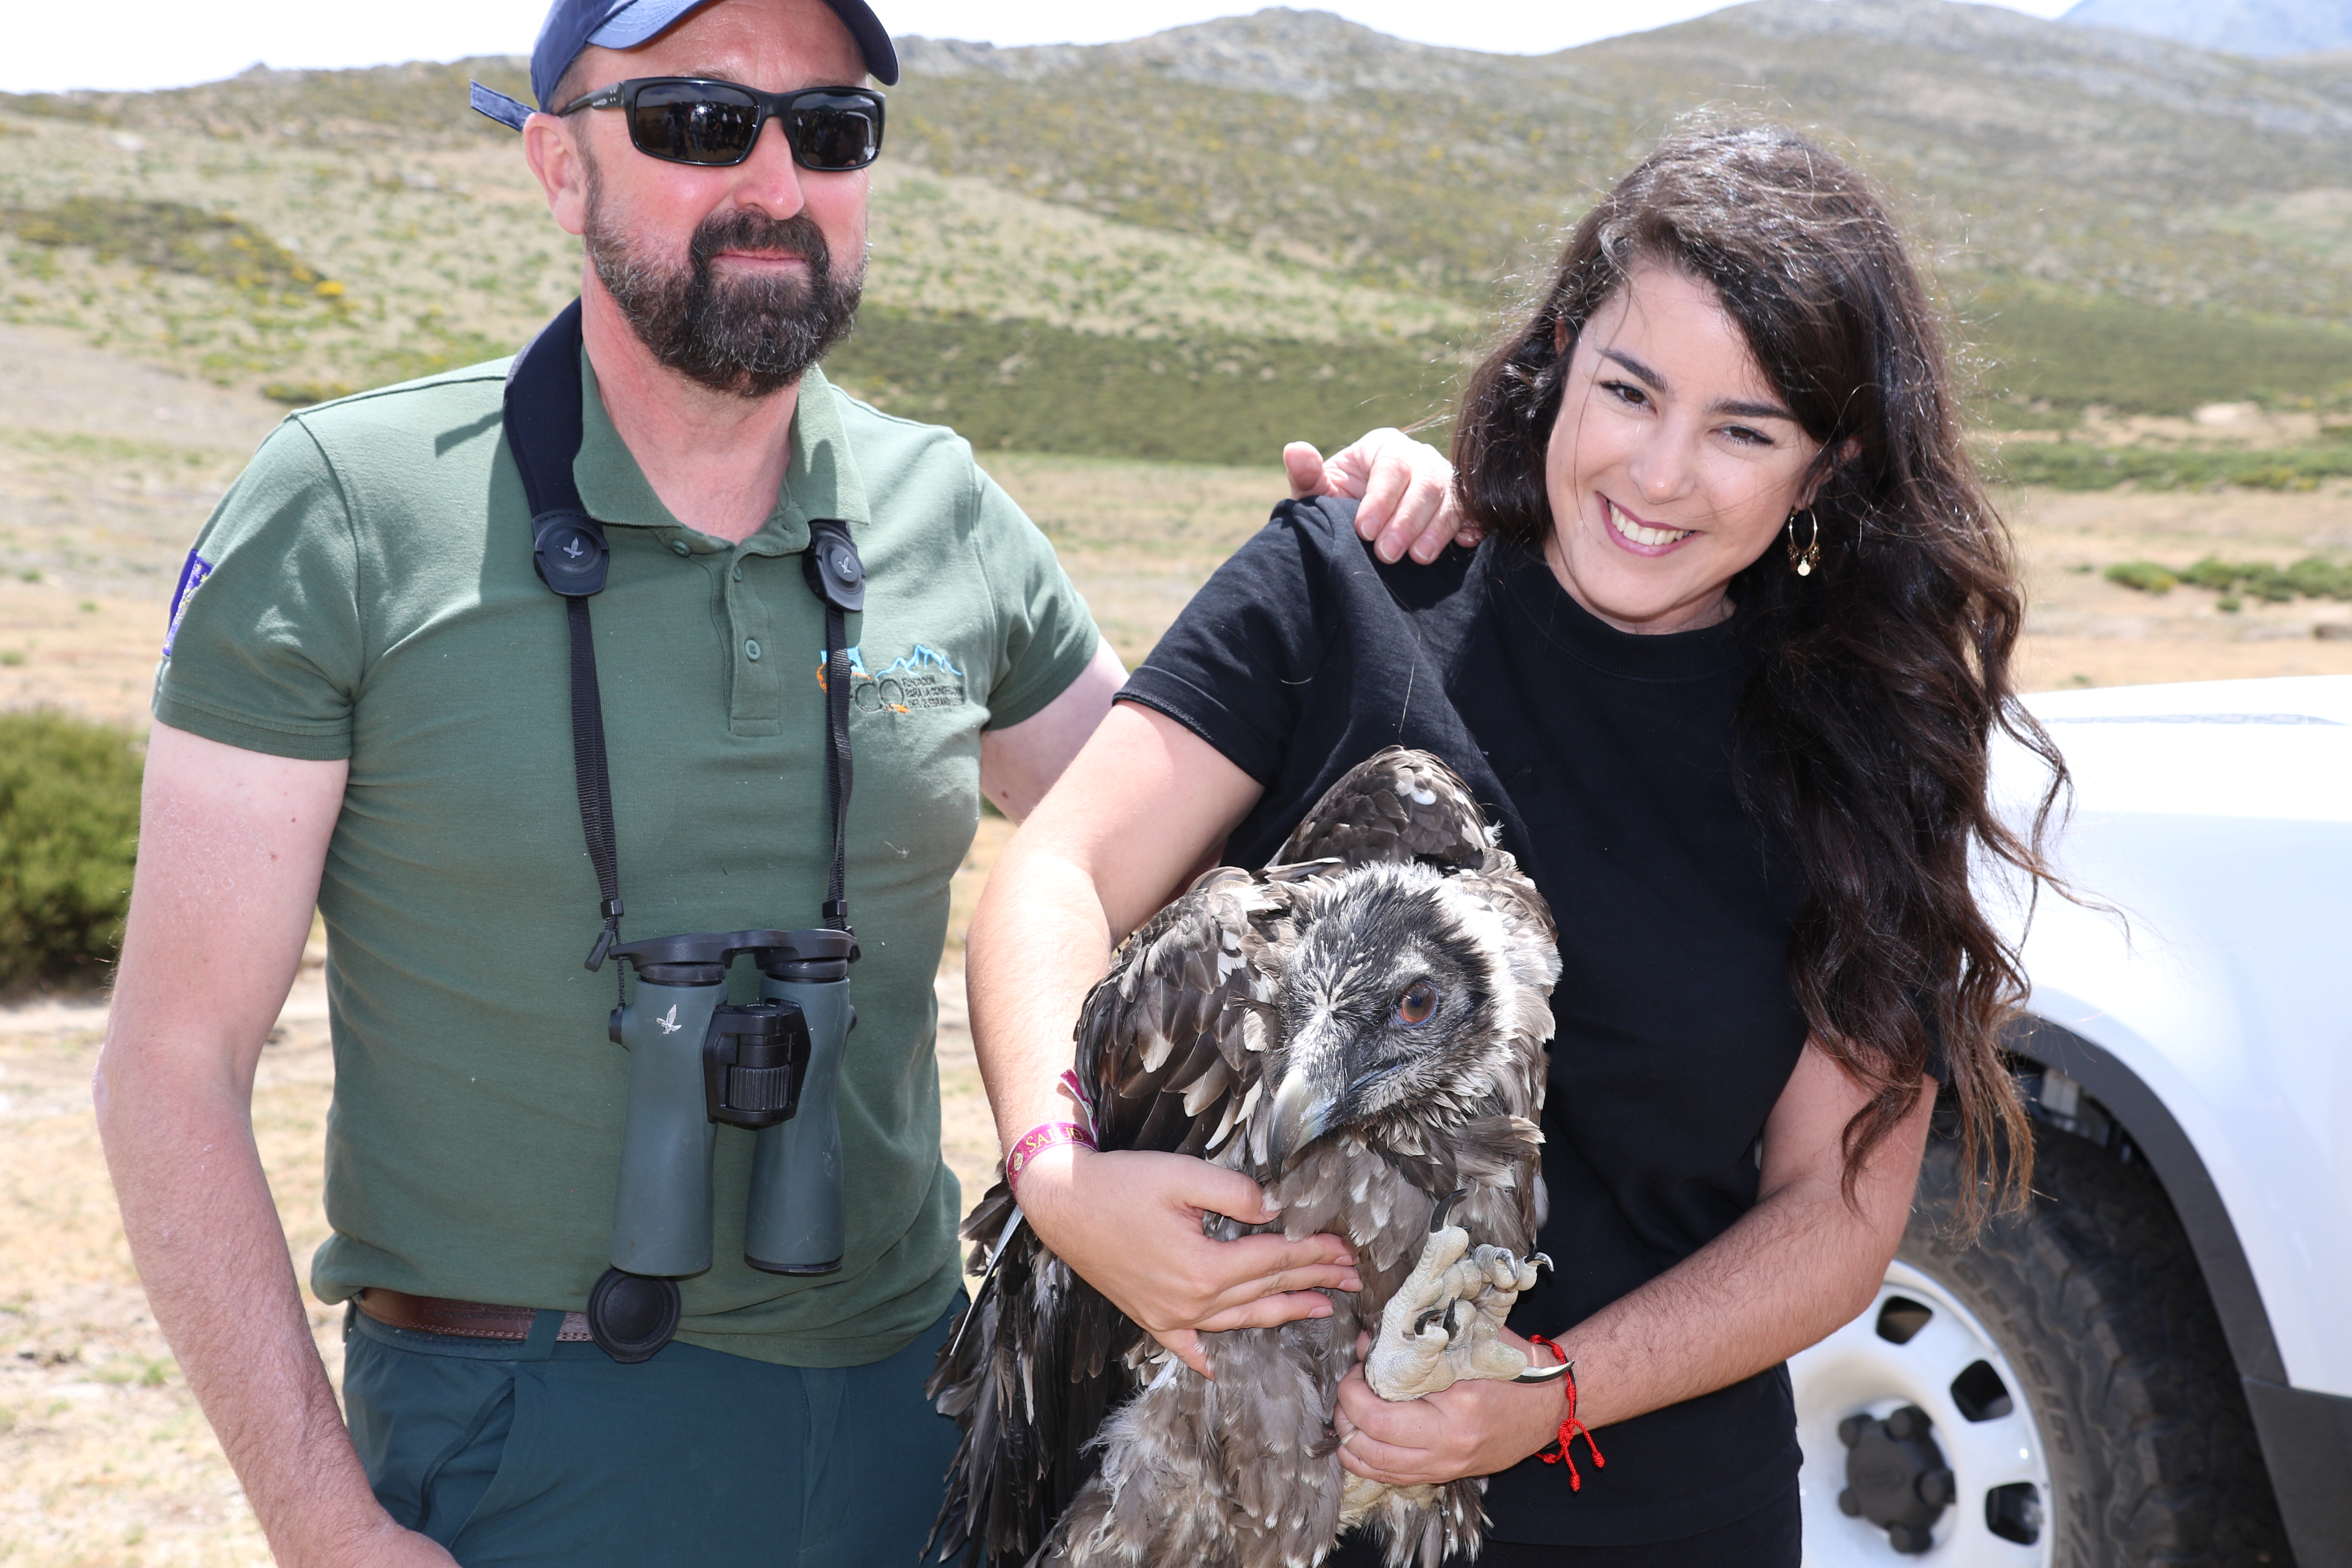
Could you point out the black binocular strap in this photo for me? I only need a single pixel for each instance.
(837, 759)
(590, 776)
(543, 423)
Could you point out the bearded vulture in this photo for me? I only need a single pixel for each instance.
(1361, 1029)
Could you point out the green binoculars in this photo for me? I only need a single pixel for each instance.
(771, 1067)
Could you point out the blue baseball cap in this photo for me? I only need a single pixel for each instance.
(572, 25)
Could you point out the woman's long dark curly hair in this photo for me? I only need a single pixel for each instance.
(1886, 672)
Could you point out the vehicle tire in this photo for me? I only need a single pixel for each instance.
(2081, 1405)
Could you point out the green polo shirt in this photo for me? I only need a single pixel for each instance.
(365, 591)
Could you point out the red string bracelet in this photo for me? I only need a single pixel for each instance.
(1571, 1428)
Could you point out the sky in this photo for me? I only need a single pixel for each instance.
(142, 44)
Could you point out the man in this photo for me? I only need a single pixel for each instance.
(363, 706)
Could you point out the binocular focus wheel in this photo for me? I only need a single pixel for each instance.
(632, 1316)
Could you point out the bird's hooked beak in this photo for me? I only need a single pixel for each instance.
(1302, 1108)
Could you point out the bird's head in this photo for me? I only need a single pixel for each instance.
(1391, 1000)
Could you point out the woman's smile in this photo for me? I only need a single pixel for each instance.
(1641, 538)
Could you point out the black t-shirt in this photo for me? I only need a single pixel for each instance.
(1609, 759)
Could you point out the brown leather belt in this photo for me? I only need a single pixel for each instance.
(467, 1320)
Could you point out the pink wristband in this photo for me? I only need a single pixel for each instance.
(1036, 1141)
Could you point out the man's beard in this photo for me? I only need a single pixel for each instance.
(748, 334)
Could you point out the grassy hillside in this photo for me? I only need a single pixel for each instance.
(2042, 346)
(1281, 223)
(2087, 160)
(1202, 396)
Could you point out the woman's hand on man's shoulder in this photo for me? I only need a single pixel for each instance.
(1128, 1222)
(1404, 487)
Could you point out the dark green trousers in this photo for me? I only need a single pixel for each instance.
(545, 1453)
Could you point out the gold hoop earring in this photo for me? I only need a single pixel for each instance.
(1805, 560)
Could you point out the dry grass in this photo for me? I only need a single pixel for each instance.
(104, 1457)
(438, 256)
(2082, 630)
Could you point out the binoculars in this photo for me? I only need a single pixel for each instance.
(696, 1062)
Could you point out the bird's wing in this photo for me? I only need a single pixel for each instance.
(1531, 957)
(1396, 805)
(1170, 1042)
(1169, 1046)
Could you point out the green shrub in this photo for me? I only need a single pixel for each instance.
(68, 830)
(2314, 577)
(304, 394)
(2317, 577)
(171, 235)
(2145, 576)
(2080, 465)
(1201, 398)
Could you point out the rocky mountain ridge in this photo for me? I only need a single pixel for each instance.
(2257, 27)
(1304, 214)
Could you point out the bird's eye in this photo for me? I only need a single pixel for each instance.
(1419, 1001)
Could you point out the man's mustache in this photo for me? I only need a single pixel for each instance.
(797, 236)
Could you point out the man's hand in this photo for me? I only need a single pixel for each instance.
(1404, 488)
(1130, 1223)
(1476, 1427)
(389, 1546)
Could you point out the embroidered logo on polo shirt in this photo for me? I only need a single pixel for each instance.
(192, 574)
(920, 679)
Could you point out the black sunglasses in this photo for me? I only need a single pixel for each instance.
(695, 119)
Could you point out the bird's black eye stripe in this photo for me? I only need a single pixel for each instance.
(1417, 1004)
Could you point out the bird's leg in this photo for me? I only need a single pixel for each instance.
(1444, 1321)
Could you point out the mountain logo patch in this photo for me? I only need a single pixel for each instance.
(920, 679)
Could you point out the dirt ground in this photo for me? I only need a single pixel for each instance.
(107, 468)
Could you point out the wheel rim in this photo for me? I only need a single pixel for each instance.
(1952, 1369)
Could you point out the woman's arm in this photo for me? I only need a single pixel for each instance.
(1145, 805)
(1795, 1267)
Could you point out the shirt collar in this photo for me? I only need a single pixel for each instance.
(822, 479)
(1543, 609)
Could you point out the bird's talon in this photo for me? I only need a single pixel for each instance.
(1437, 1215)
(1467, 1292)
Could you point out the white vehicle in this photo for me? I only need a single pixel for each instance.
(2155, 1365)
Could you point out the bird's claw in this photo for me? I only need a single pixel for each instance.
(1444, 1322)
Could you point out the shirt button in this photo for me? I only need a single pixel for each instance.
(678, 547)
(738, 573)
(751, 648)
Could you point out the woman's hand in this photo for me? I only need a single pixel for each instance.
(1130, 1223)
(1477, 1428)
(1405, 489)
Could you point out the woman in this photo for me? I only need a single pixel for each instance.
(1728, 666)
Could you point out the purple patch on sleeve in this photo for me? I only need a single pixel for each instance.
(192, 577)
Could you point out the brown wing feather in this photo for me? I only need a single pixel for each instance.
(1168, 1047)
(1171, 1041)
(1394, 806)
